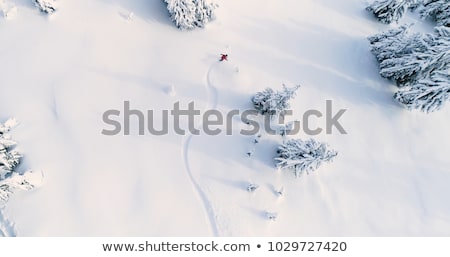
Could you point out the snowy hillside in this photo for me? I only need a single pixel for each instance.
(60, 73)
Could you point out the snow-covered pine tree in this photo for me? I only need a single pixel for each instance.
(189, 14)
(45, 6)
(428, 95)
(182, 13)
(407, 57)
(388, 11)
(263, 101)
(13, 183)
(204, 12)
(390, 43)
(410, 60)
(438, 10)
(269, 102)
(418, 62)
(9, 158)
(303, 156)
(10, 179)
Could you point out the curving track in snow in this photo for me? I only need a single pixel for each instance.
(208, 207)
(6, 227)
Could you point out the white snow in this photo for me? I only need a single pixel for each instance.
(59, 75)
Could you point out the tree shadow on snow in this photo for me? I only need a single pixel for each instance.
(24, 3)
(151, 11)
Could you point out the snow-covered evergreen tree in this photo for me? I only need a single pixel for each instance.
(303, 156)
(410, 61)
(274, 103)
(182, 13)
(428, 95)
(390, 43)
(189, 14)
(204, 12)
(45, 6)
(10, 179)
(9, 158)
(419, 62)
(13, 183)
(396, 51)
(407, 57)
(438, 10)
(388, 11)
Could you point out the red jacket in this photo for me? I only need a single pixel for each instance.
(224, 57)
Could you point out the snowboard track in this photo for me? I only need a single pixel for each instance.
(207, 205)
(6, 227)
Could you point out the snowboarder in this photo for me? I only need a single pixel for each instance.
(224, 57)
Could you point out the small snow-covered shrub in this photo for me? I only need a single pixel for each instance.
(252, 187)
(274, 103)
(388, 11)
(272, 216)
(303, 156)
(190, 14)
(45, 6)
(280, 192)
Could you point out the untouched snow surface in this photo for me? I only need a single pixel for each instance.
(60, 73)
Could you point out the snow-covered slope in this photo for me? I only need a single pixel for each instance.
(59, 74)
